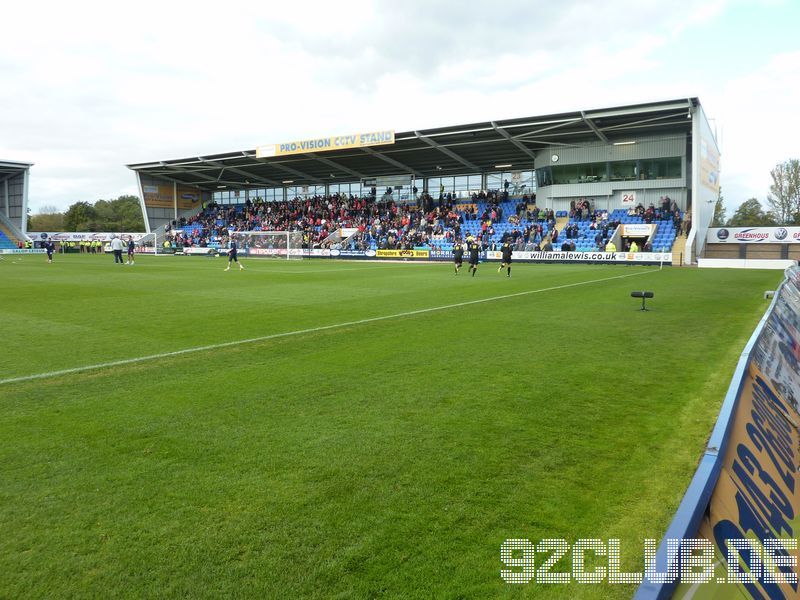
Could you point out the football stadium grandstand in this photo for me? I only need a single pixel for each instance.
(14, 178)
(364, 430)
(654, 165)
(390, 225)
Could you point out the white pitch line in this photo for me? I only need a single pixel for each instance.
(273, 336)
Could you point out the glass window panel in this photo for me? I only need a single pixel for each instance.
(676, 167)
(661, 168)
(474, 183)
(519, 182)
(563, 174)
(624, 170)
(544, 177)
(494, 181)
(591, 172)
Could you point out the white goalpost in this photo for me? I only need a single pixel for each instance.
(286, 245)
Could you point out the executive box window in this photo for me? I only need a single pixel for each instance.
(591, 172)
(544, 177)
(621, 170)
(580, 173)
(660, 168)
(624, 170)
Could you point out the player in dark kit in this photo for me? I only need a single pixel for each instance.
(506, 250)
(474, 250)
(233, 256)
(458, 255)
(49, 247)
(131, 250)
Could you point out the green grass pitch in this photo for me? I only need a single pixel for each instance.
(385, 458)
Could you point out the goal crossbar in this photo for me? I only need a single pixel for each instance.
(286, 245)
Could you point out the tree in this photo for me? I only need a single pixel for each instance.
(122, 214)
(751, 214)
(129, 213)
(105, 218)
(719, 212)
(47, 219)
(80, 217)
(784, 192)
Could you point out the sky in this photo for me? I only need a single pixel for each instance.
(88, 87)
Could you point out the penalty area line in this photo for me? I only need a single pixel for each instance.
(275, 336)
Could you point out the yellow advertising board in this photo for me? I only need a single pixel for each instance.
(162, 196)
(753, 516)
(757, 494)
(326, 144)
(402, 253)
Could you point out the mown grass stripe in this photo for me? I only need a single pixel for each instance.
(263, 338)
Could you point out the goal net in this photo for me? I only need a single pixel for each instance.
(286, 245)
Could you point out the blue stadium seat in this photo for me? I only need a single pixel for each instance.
(6, 243)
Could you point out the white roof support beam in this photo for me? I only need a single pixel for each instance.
(626, 112)
(168, 177)
(296, 173)
(391, 161)
(635, 124)
(533, 134)
(334, 165)
(511, 139)
(206, 179)
(448, 152)
(196, 173)
(594, 128)
(243, 173)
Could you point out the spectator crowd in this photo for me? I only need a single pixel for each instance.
(381, 223)
(378, 223)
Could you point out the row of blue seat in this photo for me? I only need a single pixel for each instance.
(6, 243)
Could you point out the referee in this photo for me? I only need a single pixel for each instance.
(458, 255)
(474, 250)
(506, 250)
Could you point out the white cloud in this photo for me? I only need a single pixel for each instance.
(90, 87)
(758, 125)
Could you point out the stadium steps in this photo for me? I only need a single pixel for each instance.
(8, 240)
(561, 222)
(678, 250)
(332, 238)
